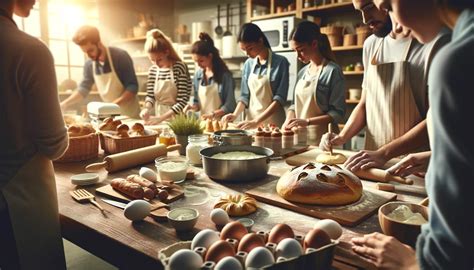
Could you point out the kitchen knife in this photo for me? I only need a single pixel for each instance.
(115, 203)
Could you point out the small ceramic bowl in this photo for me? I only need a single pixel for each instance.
(183, 219)
(172, 168)
(247, 222)
(404, 232)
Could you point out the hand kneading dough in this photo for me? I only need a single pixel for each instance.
(327, 158)
(320, 184)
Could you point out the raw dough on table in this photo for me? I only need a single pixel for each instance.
(327, 158)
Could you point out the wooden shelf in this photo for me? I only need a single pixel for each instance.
(125, 40)
(353, 72)
(330, 7)
(141, 73)
(347, 48)
(236, 58)
(352, 101)
(273, 15)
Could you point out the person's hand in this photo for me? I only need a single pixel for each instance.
(248, 124)
(190, 107)
(207, 116)
(297, 122)
(385, 252)
(416, 163)
(329, 140)
(145, 114)
(153, 120)
(229, 117)
(365, 159)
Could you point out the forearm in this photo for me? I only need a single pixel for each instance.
(414, 139)
(290, 115)
(274, 106)
(218, 113)
(355, 123)
(166, 115)
(74, 98)
(320, 120)
(125, 97)
(239, 109)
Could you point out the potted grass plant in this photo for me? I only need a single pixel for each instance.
(184, 125)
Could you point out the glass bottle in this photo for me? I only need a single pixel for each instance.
(166, 137)
(195, 144)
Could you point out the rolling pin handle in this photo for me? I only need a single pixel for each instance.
(399, 179)
(385, 187)
(96, 166)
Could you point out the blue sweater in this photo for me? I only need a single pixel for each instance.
(447, 241)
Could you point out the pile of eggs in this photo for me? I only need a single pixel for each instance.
(234, 248)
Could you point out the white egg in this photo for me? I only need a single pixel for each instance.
(147, 173)
(219, 216)
(259, 257)
(137, 210)
(185, 259)
(228, 263)
(288, 248)
(331, 227)
(204, 238)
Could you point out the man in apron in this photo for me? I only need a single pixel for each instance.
(110, 69)
(32, 134)
(394, 98)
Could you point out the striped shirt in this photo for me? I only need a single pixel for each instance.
(182, 81)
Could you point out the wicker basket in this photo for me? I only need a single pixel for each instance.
(81, 148)
(363, 32)
(112, 144)
(349, 40)
(334, 34)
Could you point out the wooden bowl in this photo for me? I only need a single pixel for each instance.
(404, 232)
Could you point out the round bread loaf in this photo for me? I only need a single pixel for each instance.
(237, 205)
(320, 184)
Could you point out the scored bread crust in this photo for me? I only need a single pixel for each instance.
(320, 184)
(237, 205)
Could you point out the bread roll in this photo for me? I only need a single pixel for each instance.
(138, 130)
(110, 124)
(237, 205)
(128, 188)
(320, 184)
(80, 130)
(122, 131)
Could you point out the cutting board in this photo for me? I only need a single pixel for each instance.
(348, 215)
(295, 150)
(310, 156)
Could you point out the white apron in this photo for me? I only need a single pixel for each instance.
(261, 96)
(166, 94)
(209, 98)
(429, 126)
(110, 88)
(32, 202)
(306, 105)
(391, 109)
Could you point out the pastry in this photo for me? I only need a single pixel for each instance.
(122, 131)
(320, 184)
(110, 124)
(216, 125)
(237, 205)
(327, 158)
(209, 126)
(80, 130)
(137, 130)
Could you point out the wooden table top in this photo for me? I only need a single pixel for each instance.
(126, 244)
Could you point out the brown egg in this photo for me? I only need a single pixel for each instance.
(249, 242)
(234, 230)
(316, 238)
(280, 232)
(219, 250)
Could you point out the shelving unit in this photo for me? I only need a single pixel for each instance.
(353, 73)
(127, 40)
(347, 48)
(352, 101)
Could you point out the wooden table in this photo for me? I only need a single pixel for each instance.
(136, 245)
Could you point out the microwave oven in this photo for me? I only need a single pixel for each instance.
(278, 31)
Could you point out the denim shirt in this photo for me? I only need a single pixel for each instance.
(330, 92)
(279, 77)
(226, 89)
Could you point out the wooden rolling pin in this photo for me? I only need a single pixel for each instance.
(132, 158)
(411, 189)
(381, 176)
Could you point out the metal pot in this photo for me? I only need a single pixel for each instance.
(232, 137)
(236, 170)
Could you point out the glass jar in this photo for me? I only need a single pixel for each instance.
(195, 144)
(166, 137)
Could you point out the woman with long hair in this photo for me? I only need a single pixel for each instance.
(213, 83)
(319, 96)
(265, 76)
(169, 83)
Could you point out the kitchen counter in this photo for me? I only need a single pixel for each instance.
(126, 244)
